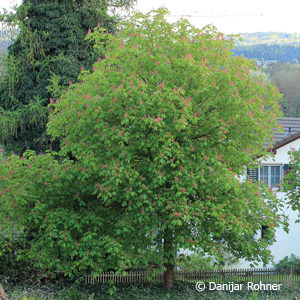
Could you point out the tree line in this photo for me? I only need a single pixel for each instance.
(264, 52)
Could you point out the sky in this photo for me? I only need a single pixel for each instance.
(229, 16)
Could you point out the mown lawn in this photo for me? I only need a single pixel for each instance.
(147, 291)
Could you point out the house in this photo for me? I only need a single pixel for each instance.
(271, 171)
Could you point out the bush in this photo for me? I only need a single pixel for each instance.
(13, 267)
(193, 262)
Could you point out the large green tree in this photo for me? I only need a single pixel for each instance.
(48, 52)
(160, 133)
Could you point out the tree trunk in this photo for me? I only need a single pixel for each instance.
(2, 294)
(169, 260)
(168, 276)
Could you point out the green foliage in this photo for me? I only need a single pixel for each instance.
(292, 262)
(264, 52)
(287, 77)
(195, 262)
(13, 266)
(263, 46)
(292, 182)
(158, 133)
(270, 38)
(181, 291)
(47, 53)
(59, 219)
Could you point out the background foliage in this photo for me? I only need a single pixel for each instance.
(47, 53)
(292, 262)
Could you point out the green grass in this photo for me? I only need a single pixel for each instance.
(146, 291)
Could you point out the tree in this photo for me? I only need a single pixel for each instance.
(48, 52)
(159, 133)
(287, 77)
(292, 181)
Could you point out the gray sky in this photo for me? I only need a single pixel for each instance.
(229, 16)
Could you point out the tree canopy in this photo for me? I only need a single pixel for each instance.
(160, 132)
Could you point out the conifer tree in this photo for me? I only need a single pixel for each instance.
(47, 54)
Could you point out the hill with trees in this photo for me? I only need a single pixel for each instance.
(270, 46)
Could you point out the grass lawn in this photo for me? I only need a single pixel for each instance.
(147, 291)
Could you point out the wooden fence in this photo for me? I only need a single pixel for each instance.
(217, 276)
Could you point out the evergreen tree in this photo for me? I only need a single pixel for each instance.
(48, 52)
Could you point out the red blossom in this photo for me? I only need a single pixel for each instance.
(158, 119)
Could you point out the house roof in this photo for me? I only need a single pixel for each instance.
(291, 128)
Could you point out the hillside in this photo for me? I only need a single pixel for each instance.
(270, 46)
(270, 38)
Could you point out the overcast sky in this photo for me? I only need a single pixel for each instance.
(229, 16)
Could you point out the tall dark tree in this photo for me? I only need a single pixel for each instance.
(48, 52)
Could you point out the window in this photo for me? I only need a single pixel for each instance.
(271, 175)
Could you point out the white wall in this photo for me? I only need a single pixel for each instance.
(286, 243)
(282, 156)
